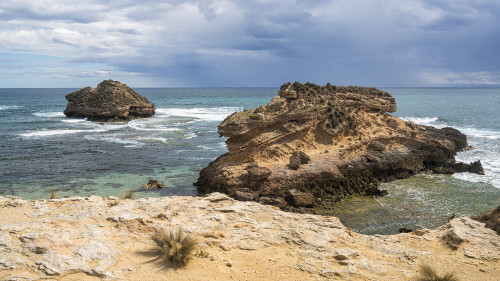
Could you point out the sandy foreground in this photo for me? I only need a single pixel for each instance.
(98, 238)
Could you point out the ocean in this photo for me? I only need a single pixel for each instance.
(41, 149)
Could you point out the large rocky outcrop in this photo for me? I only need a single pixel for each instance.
(110, 101)
(326, 142)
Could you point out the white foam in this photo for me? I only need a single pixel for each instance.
(6, 107)
(74, 120)
(189, 136)
(422, 120)
(487, 178)
(155, 139)
(492, 135)
(48, 133)
(49, 114)
(203, 114)
(149, 126)
(115, 139)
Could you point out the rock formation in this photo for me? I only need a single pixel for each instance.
(324, 143)
(152, 184)
(491, 219)
(110, 101)
(98, 238)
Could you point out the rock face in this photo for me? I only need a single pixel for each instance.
(97, 238)
(491, 219)
(328, 142)
(110, 101)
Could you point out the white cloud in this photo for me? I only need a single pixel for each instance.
(445, 78)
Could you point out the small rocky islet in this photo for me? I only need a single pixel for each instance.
(111, 101)
(313, 145)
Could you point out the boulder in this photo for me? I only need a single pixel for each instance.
(300, 199)
(256, 173)
(294, 162)
(244, 194)
(111, 101)
(153, 184)
(476, 168)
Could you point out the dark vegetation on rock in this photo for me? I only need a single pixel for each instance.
(313, 145)
(111, 101)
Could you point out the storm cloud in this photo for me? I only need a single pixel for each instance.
(58, 43)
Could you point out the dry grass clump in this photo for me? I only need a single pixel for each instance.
(129, 194)
(427, 273)
(203, 254)
(53, 194)
(175, 247)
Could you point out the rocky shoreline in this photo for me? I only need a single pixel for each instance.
(98, 238)
(313, 145)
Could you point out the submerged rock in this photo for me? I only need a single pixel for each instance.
(328, 142)
(153, 184)
(111, 101)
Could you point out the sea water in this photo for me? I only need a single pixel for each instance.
(41, 149)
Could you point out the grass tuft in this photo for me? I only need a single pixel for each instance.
(427, 273)
(53, 194)
(129, 194)
(175, 247)
(202, 254)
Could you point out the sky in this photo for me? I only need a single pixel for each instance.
(260, 43)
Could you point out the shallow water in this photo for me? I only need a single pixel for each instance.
(422, 201)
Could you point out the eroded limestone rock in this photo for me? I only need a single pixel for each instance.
(111, 101)
(327, 141)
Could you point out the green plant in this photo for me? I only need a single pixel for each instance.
(202, 254)
(427, 273)
(129, 194)
(175, 247)
(53, 194)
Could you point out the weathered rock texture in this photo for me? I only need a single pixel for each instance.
(327, 142)
(491, 219)
(110, 101)
(108, 239)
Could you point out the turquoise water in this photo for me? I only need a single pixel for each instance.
(40, 149)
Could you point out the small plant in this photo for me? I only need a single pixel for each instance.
(254, 117)
(175, 247)
(452, 240)
(427, 273)
(129, 194)
(202, 254)
(53, 194)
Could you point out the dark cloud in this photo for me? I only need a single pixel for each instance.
(260, 43)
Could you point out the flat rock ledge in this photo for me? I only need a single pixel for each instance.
(313, 145)
(111, 101)
(98, 238)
